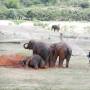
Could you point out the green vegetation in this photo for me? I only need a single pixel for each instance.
(45, 10)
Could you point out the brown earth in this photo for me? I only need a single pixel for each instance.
(11, 60)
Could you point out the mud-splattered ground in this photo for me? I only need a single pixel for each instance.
(11, 60)
(76, 77)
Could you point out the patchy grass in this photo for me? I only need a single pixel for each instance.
(18, 21)
(76, 77)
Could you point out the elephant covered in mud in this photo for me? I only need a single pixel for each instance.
(39, 48)
(34, 61)
(63, 51)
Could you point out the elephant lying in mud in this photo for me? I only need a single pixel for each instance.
(34, 61)
(55, 28)
(39, 48)
(63, 51)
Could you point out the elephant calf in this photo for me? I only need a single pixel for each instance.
(34, 61)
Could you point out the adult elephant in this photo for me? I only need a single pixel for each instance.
(55, 28)
(39, 48)
(63, 51)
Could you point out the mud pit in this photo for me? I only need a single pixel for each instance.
(11, 60)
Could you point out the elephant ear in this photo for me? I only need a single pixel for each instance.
(31, 43)
(25, 45)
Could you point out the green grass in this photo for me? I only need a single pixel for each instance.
(76, 77)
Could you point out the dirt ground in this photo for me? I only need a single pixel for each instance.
(13, 77)
(76, 77)
(11, 60)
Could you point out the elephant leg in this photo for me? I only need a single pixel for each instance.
(50, 60)
(42, 64)
(61, 60)
(89, 60)
(27, 63)
(47, 62)
(51, 63)
(54, 62)
(54, 29)
(55, 59)
(67, 63)
(36, 66)
(61, 57)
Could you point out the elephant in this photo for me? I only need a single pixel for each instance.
(55, 28)
(62, 50)
(34, 61)
(88, 56)
(39, 48)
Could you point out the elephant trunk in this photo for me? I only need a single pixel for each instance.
(25, 46)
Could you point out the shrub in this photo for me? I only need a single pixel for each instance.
(84, 5)
(46, 14)
(12, 3)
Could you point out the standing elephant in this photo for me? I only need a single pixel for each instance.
(63, 51)
(88, 56)
(55, 28)
(34, 61)
(39, 48)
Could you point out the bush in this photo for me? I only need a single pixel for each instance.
(84, 5)
(46, 14)
(3, 13)
(12, 3)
